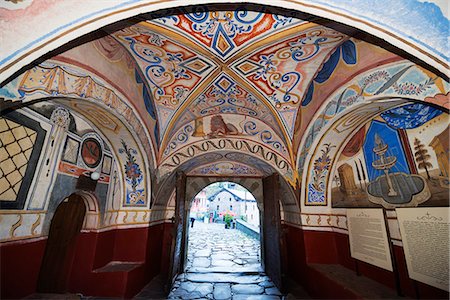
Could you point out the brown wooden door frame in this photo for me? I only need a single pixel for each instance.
(59, 251)
(178, 249)
(271, 230)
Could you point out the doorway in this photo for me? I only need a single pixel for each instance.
(59, 252)
(224, 232)
(220, 266)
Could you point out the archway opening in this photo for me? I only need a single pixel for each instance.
(224, 231)
(223, 245)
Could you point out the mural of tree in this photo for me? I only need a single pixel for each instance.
(422, 156)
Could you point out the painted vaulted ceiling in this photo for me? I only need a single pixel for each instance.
(230, 92)
(235, 74)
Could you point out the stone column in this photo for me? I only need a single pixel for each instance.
(60, 123)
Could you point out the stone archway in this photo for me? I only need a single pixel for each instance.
(271, 229)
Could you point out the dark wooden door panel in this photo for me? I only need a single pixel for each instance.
(65, 226)
(180, 234)
(271, 229)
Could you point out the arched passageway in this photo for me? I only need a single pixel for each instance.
(224, 231)
(266, 193)
(315, 118)
(223, 246)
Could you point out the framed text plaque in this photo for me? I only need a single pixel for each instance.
(368, 237)
(425, 235)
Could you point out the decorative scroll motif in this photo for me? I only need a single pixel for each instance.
(128, 217)
(21, 225)
(181, 138)
(125, 217)
(35, 225)
(134, 177)
(226, 96)
(221, 98)
(224, 32)
(250, 147)
(171, 69)
(265, 136)
(226, 125)
(279, 75)
(316, 189)
(222, 144)
(15, 226)
(225, 168)
(428, 217)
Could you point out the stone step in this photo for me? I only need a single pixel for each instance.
(249, 270)
(225, 277)
(118, 266)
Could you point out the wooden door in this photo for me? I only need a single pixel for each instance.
(59, 251)
(179, 243)
(271, 229)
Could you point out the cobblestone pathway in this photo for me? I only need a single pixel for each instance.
(222, 264)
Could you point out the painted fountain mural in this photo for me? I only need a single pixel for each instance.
(397, 159)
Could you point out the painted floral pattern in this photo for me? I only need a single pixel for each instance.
(134, 176)
(316, 189)
(132, 170)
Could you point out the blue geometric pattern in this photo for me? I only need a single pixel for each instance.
(224, 83)
(410, 116)
(219, 38)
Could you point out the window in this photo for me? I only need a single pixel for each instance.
(231, 207)
(230, 198)
(217, 207)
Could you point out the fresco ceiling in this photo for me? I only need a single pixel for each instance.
(241, 92)
(237, 74)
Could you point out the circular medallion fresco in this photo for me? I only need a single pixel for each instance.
(91, 152)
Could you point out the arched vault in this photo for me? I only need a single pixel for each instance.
(251, 84)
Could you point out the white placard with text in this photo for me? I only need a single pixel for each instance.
(425, 235)
(368, 237)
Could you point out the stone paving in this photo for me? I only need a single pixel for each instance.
(222, 264)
